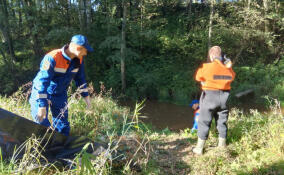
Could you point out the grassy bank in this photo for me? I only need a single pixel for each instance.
(255, 146)
(255, 141)
(105, 122)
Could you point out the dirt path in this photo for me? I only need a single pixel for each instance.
(173, 153)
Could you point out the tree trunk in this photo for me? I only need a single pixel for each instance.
(189, 11)
(189, 7)
(141, 25)
(123, 48)
(105, 8)
(130, 10)
(88, 8)
(30, 17)
(108, 17)
(3, 55)
(46, 6)
(265, 5)
(210, 22)
(39, 5)
(20, 21)
(66, 6)
(249, 2)
(5, 28)
(82, 15)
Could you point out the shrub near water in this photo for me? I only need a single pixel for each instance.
(263, 79)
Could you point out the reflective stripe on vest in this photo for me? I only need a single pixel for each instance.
(41, 96)
(61, 70)
(84, 90)
(75, 70)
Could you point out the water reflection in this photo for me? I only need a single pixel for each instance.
(162, 115)
(176, 117)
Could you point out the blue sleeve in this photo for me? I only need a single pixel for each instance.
(80, 81)
(43, 78)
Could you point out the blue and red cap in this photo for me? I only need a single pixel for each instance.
(82, 41)
(193, 102)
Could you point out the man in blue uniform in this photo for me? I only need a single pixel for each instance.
(57, 69)
(195, 106)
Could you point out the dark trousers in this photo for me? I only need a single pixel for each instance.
(213, 101)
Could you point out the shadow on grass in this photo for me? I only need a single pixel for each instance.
(275, 168)
(172, 155)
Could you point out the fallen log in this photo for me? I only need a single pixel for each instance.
(243, 93)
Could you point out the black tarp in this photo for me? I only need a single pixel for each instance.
(15, 130)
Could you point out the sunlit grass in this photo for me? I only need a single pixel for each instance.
(255, 146)
(104, 121)
(255, 142)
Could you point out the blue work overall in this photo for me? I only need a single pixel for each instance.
(50, 88)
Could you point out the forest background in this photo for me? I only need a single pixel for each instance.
(147, 48)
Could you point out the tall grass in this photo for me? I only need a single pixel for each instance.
(256, 145)
(127, 145)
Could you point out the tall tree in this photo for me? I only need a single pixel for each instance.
(210, 22)
(82, 15)
(31, 17)
(85, 7)
(20, 20)
(123, 47)
(141, 22)
(5, 28)
(265, 6)
(249, 2)
(189, 13)
(3, 55)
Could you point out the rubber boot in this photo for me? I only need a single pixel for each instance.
(222, 142)
(199, 147)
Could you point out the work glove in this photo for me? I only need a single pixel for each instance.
(41, 113)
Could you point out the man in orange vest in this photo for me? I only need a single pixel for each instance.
(215, 78)
(57, 69)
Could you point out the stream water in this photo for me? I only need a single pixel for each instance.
(165, 115)
(175, 117)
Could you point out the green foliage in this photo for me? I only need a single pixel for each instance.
(12, 77)
(62, 35)
(253, 141)
(263, 79)
(165, 42)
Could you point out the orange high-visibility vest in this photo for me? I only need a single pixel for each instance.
(215, 76)
(61, 63)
